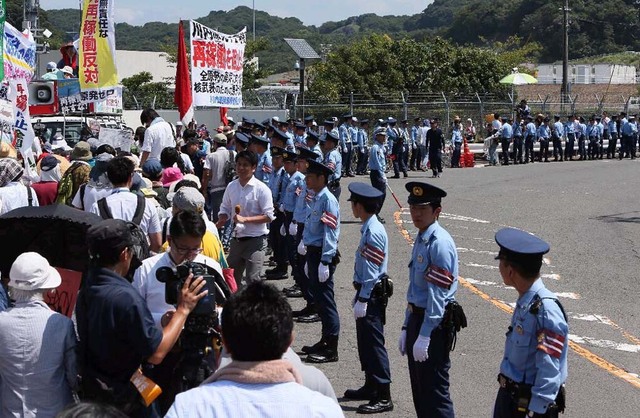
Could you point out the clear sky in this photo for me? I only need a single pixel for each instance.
(138, 12)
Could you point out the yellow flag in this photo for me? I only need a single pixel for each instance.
(98, 74)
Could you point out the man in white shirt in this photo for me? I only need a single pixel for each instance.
(257, 328)
(122, 204)
(248, 203)
(213, 178)
(158, 136)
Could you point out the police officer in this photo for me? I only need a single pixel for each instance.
(299, 135)
(613, 137)
(433, 281)
(320, 242)
(570, 128)
(544, 134)
(369, 302)
(530, 136)
(506, 136)
(333, 160)
(363, 143)
(518, 141)
(346, 143)
(534, 367)
(378, 166)
(435, 144)
(264, 170)
(313, 140)
(582, 149)
(277, 229)
(557, 133)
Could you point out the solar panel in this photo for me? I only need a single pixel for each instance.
(302, 48)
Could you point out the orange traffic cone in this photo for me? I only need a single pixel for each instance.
(468, 158)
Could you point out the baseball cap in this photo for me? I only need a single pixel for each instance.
(152, 168)
(188, 198)
(51, 65)
(107, 236)
(31, 271)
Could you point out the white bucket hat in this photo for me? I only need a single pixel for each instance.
(31, 271)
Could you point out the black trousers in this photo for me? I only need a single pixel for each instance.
(374, 359)
(363, 159)
(568, 149)
(435, 160)
(505, 149)
(398, 163)
(613, 143)
(518, 149)
(430, 378)
(346, 159)
(299, 275)
(557, 149)
(416, 159)
(379, 182)
(544, 149)
(277, 241)
(506, 407)
(528, 149)
(455, 158)
(323, 294)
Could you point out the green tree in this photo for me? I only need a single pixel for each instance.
(140, 91)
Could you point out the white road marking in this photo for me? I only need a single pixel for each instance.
(568, 295)
(471, 250)
(629, 348)
(462, 218)
(482, 266)
(552, 276)
(483, 240)
(592, 318)
(482, 282)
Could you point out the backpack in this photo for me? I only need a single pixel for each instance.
(140, 248)
(65, 187)
(229, 169)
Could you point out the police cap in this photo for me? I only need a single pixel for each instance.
(306, 154)
(278, 134)
(314, 167)
(363, 192)
(347, 116)
(364, 121)
(277, 151)
(521, 247)
(308, 118)
(289, 155)
(391, 121)
(242, 137)
(331, 136)
(300, 125)
(328, 122)
(423, 193)
(259, 140)
(313, 136)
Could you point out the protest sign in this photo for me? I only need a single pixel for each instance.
(217, 62)
(117, 138)
(19, 54)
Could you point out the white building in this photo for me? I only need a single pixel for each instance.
(587, 74)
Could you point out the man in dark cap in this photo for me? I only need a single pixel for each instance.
(435, 145)
(544, 135)
(312, 144)
(320, 244)
(299, 135)
(259, 145)
(426, 336)
(333, 160)
(363, 147)
(534, 366)
(530, 136)
(369, 303)
(115, 328)
(557, 133)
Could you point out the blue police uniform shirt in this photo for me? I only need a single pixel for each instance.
(583, 129)
(592, 131)
(392, 136)
(343, 134)
(303, 203)
(294, 189)
(322, 226)
(433, 275)
(371, 256)
(613, 127)
(531, 129)
(535, 352)
(507, 130)
(353, 133)
(318, 152)
(265, 168)
(277, 185)
(559, 127)
(456, 136)
(570, 127)
(333, 160)
(600, 128)
(362, 138)
(300, 140)
(377, 159)
(517, 130)
(415, 133)
(544, 132)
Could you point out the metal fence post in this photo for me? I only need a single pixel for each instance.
(405, 105)
(481, 119)
(351, 103)
(447, 109)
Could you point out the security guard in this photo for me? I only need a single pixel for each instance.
(530, 136)
(506, 136)
(378, 165)
(534, 367)
(333, 160)
(277, 228)
(433, 281)
(312, 144)
(363, 144)
(369, 303)
(320, 240)
(346, 144)
(557, 133)
(264, 170)
(544, 134)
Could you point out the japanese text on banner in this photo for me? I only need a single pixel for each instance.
(97, 50)
(216, 67)
(19, 54)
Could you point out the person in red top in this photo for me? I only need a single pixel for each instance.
(47, 188)
(69, 58)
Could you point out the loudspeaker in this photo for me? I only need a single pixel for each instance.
(43, 98)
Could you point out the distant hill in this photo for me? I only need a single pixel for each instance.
(610, 28)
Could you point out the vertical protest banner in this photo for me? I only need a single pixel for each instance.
(98, 73)
(25, 136)
(19, 54)
(217, 61)
(183, 97)
(3, 17)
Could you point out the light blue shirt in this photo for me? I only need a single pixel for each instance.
(318, 151)
(295, 187)
(535, 352)
(613, 127)
(544, 132)
(300, 140)
(344, 135)
(353, 134)
(377, 159)
(303, 203)
(433, 275)
(4, 299)
(225, 398)
(371, 256)
(278, 184)
(333, 160)
(570, 127)
(531, 129)
(456, 136)
(322, 226)
(264, 170)
(507, 131)
(362, 138)
(559, 127)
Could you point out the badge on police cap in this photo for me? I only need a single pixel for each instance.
(417, 191)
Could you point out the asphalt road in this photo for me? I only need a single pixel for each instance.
(590, 214)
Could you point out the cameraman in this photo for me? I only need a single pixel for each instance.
(115, 327)
(186, 230)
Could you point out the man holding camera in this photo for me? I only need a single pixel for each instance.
(186, 230)
(115, 328)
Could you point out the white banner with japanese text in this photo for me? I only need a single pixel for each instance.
(217, 61)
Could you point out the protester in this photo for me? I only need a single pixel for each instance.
(69, 58)
(53, 73)
(99, 185)
(257, 329)
(76, 175)
(153, 171)
(214, 180)
(158, 135)
(90, 410)
(47, 188)
(14, 194)
(115, 328)
(38, 357)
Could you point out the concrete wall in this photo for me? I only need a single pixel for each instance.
(588, 74)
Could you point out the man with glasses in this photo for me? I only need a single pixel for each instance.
(433, 280)
(186, 230)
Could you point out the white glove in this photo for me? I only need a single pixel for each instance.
(306, 270)
(283, 231)
(293, 229)
(281, 207)
(323, 273)
(362, 150)
(421, 348)
(413, 146)
(402, 342)
(302, 250)
(360, 310)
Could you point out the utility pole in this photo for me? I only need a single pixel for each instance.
(254, 20)
(565, 54)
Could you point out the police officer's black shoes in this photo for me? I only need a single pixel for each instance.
(312, 349)
(382, 402)
(368, 392)
(278, 273)
(307, 310)
(328, 353)
(308, 319)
